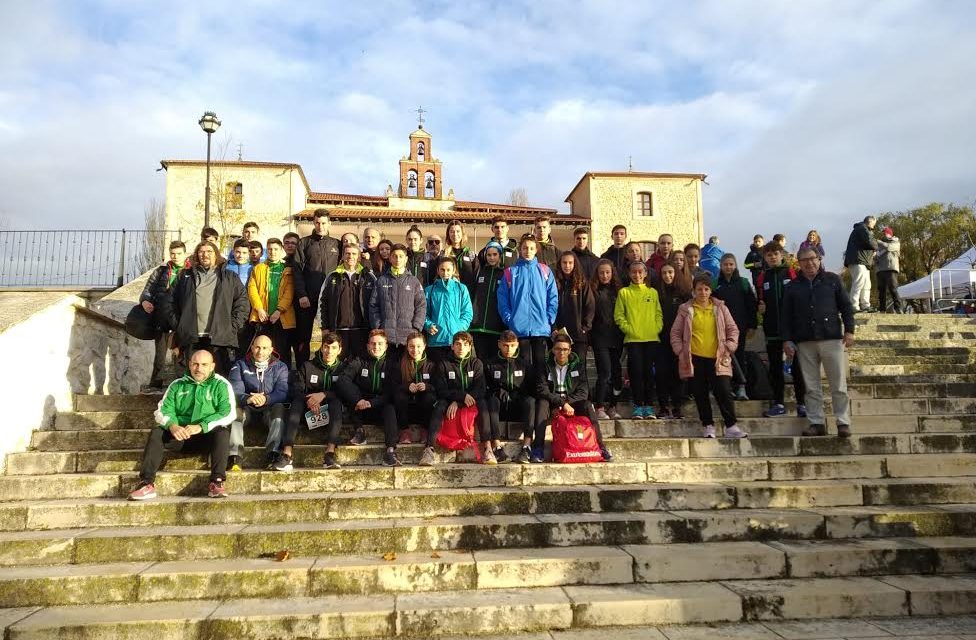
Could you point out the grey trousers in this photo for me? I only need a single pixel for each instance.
(860, 286)
(830, 354)
(273, 417)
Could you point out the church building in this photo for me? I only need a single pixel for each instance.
(278, 197)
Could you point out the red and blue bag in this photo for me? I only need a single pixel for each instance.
(457, 433)
(574, 440)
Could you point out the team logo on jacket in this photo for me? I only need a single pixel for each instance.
(313, 378)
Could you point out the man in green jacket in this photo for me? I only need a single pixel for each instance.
(194, 416)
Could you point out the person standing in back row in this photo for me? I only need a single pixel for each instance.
(861, 246)
(889, 250)
(817, 324)
(316, 257)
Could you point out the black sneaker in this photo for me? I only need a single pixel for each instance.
(283, 463)
(358, 439)
(815, 430)
(843, 431)
(330, 461)
(270, 461)
(524, 456)
(390, 459)
(500, 455)
(607, 456)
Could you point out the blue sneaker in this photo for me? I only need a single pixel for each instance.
(775, 411)
(637, 413)
(801, 410)
(649, 413)
(537, 456)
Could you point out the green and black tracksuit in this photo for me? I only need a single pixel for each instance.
(376, 380)
(315, 376)
(558, 385)
(511, 392)
(415, 407)
(486, 323)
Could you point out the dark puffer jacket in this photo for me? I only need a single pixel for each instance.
(315, 376)
(770, 287)
(374, 379)
(605, 332)
(453, 378)
(398, 306)
(575, 312)
(575, 387)
(345, 300)
(861, 246)
(817, 309)
(484, 301)
(511, 375)
(739, 299)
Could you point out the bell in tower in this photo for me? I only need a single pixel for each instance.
(420, 162)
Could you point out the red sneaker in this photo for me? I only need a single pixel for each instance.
(216, 489)
(145, 491)
(422, 436)
(405, 436)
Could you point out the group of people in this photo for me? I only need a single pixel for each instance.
(411, 336)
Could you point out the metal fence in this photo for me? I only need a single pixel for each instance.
(79, 258)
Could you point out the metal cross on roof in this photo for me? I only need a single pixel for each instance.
(420, 117)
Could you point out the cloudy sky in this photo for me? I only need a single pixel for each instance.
(803, 114)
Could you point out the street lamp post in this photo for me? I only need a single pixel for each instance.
(209, 123)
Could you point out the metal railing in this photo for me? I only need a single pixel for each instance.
(79, 258)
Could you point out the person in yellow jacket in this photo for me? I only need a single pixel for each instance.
(637, 313)
(271, 290)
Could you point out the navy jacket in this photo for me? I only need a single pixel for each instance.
(244, 380)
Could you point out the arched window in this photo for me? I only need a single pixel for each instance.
(411, 183)
(429, 184)
(421, 151)
(645, 204)
(234, 195)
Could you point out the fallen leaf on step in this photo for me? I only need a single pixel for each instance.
(390, 556)
(435, 555)
(282, 555)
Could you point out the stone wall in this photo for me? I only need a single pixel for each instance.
(57, 346)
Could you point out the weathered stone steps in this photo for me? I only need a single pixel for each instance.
(490, 569)
(509, 610)
(155, 543)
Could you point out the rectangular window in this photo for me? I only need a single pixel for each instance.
(234, 195)
(645, 205)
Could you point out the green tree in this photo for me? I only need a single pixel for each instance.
(930, 236)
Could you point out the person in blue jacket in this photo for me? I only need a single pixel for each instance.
(528, 301)
(711, 257)
(448, 310)
(260, 384)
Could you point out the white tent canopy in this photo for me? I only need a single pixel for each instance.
(953, 280)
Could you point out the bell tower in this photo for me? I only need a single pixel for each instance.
(420, 172)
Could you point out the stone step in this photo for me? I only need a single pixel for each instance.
(863, 358)
(637, 447)
(708, 485)
(92, 545)
(513, 611)
(858, 370)
(491, 569)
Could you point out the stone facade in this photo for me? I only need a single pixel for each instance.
(271, 193)
(615, 198)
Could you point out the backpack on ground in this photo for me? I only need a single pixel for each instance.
(457, 433)
(574, 440)
(757, 377)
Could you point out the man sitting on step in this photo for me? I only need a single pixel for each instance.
(260, 383)
(817, 323)
(194, 416)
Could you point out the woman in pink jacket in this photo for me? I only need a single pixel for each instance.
(705, 337)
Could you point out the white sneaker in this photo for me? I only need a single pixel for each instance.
(709, 431)
(734, 432)
(601, 414)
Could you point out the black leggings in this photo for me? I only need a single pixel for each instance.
(216, 442)
(640, 360)
(774, 348)
(666, 374)
(385, 414)
(517, 408)
(534, 350)
(413, 405)
(888, 284)
(296, 420)
(704, 381)
(739, 366)
(608, 373)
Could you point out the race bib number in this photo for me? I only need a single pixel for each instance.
(316, 420)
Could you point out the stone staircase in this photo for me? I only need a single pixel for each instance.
(677, 531)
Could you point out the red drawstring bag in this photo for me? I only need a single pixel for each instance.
(457, 433)
(574, 440)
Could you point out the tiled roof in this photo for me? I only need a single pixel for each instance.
(240, 163)
(402, 215)
(346, 198)
(496, 208)
(632, 174)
